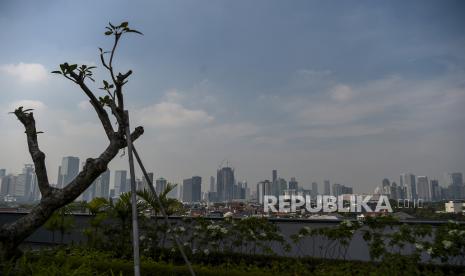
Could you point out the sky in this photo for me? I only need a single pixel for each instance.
(350, 91)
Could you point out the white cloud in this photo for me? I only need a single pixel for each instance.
(80, 129)
(26, 72)
(341, 93)
(36, 105)
(171, 115)
(84, 105)
(173, 95)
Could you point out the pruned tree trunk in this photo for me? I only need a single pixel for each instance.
(13, 234)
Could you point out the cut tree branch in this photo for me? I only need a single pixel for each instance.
(38, 157)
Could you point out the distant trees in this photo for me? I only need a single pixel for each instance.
(108, 107)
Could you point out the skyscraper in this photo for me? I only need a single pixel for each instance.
(263, 188)
(455, 186)
(120, 182)
(393, 191)
(191, 189)
(275, 183)
(145, 184)
(68, 170)
(225, 184)
(386, 187)
(8, 185)
(160, 185)
(196, 188)
(423, 189)
(212, 184)
(293, 184)
(314, 189)
(24, 183)
(102, 185)
(409, 181)
(435, 190)
(339, 189)
(282, 185)
(327, 187)
(455, 178)
(2, 173)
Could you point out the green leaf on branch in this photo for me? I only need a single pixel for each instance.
(133, 31)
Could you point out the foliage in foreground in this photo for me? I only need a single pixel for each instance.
(82, 261)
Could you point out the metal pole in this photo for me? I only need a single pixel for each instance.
(135, 225)
(162, 209)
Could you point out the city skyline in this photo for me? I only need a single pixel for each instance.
(351, 92)
(226, 187)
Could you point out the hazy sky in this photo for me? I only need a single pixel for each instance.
(351, 91)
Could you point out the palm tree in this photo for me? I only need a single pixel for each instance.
(97, 208)
(62, 221)
(121, 210)
(171, 205)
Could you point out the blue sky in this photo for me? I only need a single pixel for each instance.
(353, 91)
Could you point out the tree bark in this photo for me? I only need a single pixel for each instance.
(13, 234)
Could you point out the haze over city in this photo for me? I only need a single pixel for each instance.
(352, 92)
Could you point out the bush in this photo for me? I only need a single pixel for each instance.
(83, 261)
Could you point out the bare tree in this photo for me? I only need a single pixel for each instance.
(13, 234)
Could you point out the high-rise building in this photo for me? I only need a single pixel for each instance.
(455, 178)
(2, 173)
(423, 188)
(393, 191)
(409, 181)
(293, 184)
(225, 184)
(102, 185)
(314, 189)
(263, 188)
(59, 178)
(24, 184)
(8, 185)
(191, 189)
(455, 185)
(68, 170)
(145, 184)
(120, 182)
(36, 194)
(339, 189)
(139, 184)
(174, 193)
(160, 185)
(327, 187)
(386, 187)
(212, 184)
(435, 190)
(275, 183)
(282, 186)
(196, 188)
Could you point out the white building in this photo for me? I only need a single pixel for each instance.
(454, 207)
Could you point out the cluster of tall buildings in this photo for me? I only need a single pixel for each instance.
(21, 187)
(279, 186)
(415, 187)
(225, 188)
